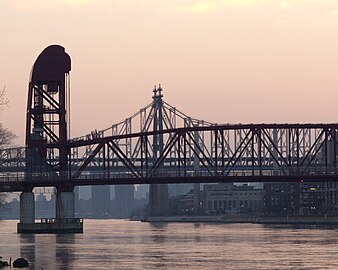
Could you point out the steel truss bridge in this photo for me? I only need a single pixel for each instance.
(160, 144)
(197, 152)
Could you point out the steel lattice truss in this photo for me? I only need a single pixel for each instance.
(228, 152)
(140, 122)
(12, 159)
(160, 144)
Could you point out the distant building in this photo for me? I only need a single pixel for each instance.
(227, 198)
(84, 208)
(142, 192)
(278, 199)
(179, 189)
(301, 198)
(101, 201)
(315, 198)
(182, 204)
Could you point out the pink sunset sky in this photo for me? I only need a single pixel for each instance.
(225, 61)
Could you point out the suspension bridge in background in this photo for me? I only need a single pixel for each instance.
(157, 145)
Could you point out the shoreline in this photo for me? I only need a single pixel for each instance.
(292, 220)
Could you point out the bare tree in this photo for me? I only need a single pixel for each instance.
(6, 136)
(3, 99)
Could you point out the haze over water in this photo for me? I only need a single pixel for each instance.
(117, 244)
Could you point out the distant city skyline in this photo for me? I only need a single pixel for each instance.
(220, 61)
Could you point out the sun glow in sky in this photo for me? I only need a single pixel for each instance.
(218, 60)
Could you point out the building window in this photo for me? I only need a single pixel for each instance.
(209, 205)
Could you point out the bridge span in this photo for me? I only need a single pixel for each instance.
(215, 153)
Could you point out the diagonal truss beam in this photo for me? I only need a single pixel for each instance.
(124, 159)
(88, 160)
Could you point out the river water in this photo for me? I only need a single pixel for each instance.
(117, 244)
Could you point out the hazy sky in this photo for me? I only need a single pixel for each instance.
(248, 61)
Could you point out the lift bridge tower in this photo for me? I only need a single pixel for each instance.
(48, 107)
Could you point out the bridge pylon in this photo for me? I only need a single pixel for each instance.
(158, 193)
(155, 153)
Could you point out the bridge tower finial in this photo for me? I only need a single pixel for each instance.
(157, 92)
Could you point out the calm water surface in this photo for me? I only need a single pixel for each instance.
(111, 244)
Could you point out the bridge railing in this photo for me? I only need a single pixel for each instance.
(295, 173)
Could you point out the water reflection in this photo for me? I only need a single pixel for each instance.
(64, 250)
(27, 247)
(48, 251)
(158, 225)
(158, 232)
(300, 227)
(127, 245)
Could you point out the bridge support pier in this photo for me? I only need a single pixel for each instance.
(197, 198)
(158, 200)
(65, 203)
(27, 207)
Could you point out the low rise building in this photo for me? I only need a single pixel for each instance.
(227, 198)
(278, 199)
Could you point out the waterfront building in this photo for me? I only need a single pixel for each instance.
(227, 198)
(300, 198)
(278, 199)
(182, 204)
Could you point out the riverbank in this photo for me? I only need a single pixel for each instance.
(301, 220)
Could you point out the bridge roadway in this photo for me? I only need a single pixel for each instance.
(259, 153)
(18, 182)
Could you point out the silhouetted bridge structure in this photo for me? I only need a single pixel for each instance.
(157, 145)
(215, 153)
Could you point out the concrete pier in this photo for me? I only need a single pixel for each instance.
(197, 198)
(158, 200)
(65, 221)
(27, 207)
(53, 225)
(65, 204)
